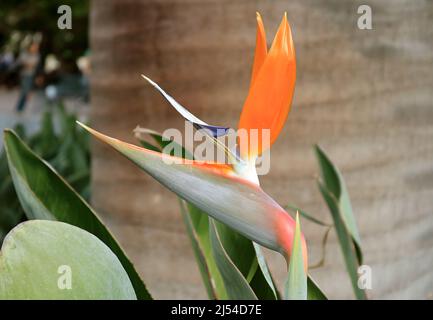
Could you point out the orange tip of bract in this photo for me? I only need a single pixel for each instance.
(261, 48)
(272, 87)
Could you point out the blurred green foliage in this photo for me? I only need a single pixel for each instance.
(60, 142)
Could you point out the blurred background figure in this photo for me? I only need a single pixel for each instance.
(28, 61)
(9, 73)
(39, 58)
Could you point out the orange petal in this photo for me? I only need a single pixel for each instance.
(261, 48)
(270, 96)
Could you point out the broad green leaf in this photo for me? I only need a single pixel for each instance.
(46, 195)
(236, 285)
(215, 190)
(296, 285)
(54, 260)
(65, 146)
(11, 212)
(333, 190)
(241, 250)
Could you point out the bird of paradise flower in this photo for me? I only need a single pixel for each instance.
(230, 192)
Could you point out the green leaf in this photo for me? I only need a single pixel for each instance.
(54, 260)
(249, 260)
(296, 285)
(334, 192)
(236, 285)
(66, 149)
(11, 212)
(262, 282)
(197, 226)
(46, 195)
